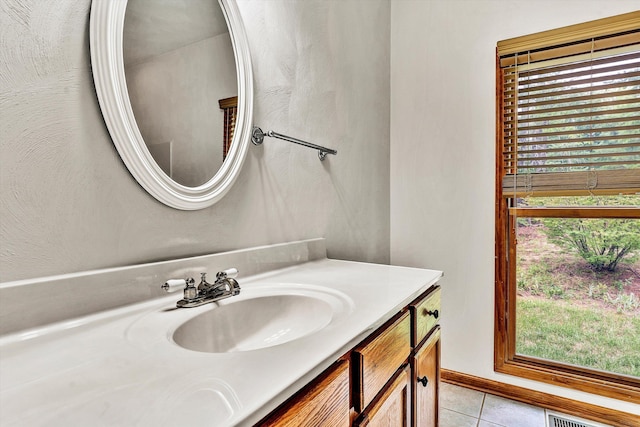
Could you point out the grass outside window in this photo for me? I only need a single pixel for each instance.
(572, 311)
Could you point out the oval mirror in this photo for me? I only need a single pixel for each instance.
(175, 86)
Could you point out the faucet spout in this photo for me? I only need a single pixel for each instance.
(223, 288)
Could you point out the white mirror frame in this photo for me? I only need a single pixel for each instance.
(106, 33)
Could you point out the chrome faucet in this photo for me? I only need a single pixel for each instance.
(224, 286)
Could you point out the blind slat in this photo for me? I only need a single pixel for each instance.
(617, 94)
(634, 115)
(600, 104)
(617, 111)
(582, 165)
(525, 134)
(533, 88)
(577, 148)
(545, 161)
(587, 87)
(580, 139)
(595, 63)
(571, 183)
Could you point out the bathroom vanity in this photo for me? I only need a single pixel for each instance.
(391, 378)
(308, 340)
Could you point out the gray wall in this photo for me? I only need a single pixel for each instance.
(171, 92)
(68, 203)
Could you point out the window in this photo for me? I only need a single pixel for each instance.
(568, 207)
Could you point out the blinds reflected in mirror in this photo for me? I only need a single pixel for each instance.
(230, 108)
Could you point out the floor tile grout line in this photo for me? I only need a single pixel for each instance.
(458, 412)
(480, 418)
(484, 397)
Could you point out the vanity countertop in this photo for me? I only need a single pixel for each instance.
(120, 367)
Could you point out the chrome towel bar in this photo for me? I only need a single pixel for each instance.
(257, 137)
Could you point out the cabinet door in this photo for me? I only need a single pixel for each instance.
(427, 381)
(324, 402)
(391, 408)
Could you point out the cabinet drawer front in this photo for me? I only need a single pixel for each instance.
(324, 402)
(378, 359)
(392, 406)
(426, 314)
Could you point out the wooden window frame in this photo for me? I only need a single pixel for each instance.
(506, 360)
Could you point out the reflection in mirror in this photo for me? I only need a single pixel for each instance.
(181, 75)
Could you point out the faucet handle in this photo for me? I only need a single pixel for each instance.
(229, 273)
(173, 285)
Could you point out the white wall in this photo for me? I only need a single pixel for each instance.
(442, 156)
(67, 202)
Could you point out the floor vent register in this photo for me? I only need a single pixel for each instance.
(557, 420)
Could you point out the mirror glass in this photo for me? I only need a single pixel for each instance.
(175, 86)
(179, 67)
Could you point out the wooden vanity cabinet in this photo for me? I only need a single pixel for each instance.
(323, 402)
(391, 379)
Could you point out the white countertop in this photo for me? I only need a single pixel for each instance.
(121, 367)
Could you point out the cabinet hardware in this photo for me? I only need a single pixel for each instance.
(424, 380)
(433, 313)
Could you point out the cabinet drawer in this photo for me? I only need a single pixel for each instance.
(426, 314)
(379, 357)
(324, 402)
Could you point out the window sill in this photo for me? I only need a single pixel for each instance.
(615, 386)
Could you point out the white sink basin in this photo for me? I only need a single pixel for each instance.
(262, 317)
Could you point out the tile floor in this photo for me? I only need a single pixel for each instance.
(463, 407)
